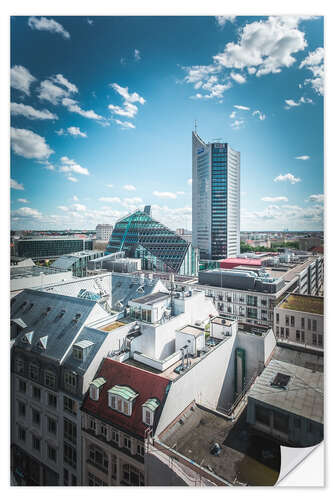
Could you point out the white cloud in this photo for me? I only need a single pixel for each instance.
(21, 79)
(314, 62)
(129, 187)
(28, 144)
(238, 77)
(137, 55)
(244, 108)
(164, 194)
(124, 125)
(60, 79)
(45, 24)
(318, 198)
(221, 20)
(304, 157)
(287, 177)
(63, 208)
(189, 181)
(128, 97)
(274, 199)
(22, 200)
(69, 165)
(237, 124)
(72, 179)
(76, 132)
(30, 112)
(16, 185)
(26, 212)
(78, 207)
(110, 185)
(260, 115)
(47, 165)
(107, 199)
(75, 198)
(48, 91)
(292, 104)
(232, 115)
(73, 107)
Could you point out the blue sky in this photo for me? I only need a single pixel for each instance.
(103, 109)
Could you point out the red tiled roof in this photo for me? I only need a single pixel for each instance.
(147, 384)
(233, 262)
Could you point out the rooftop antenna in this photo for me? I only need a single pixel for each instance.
(195, 126)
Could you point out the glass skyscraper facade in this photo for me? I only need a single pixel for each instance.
(215, 199)
(159, 248)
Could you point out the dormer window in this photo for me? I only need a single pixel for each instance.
(42, 343)
(148, 410)
(95, 387)
(121, 399)
(81, 349)
(27, 339)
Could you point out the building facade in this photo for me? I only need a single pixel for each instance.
(50, 247)
(103, 232)
(158, 247)
(215, 199)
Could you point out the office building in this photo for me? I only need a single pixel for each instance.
(299, 320)
(77, 262)
(158, 247)
(50, 247)
(103, 232)
(215, 199)
(35, 277)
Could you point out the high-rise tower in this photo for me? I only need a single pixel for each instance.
(215, 199)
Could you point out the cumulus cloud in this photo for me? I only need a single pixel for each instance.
(221, 20)
(31, 113)
(72, 179)
(75, 198)
(63, 208)
(274, 199)
(21, 79)
(110, 185)
(128, 109)
(45, 24)
(28, 144)
(73, 107)
(76, 132)
(243, 108)
(304, 157)
(124, 125)
(237, 124)
(260, 115)
(16, 185)
(55, 88)
(238, 77)
(290, 103)
(232, 115)
(137, 55)
(314, 62)
(70, 166)
(287, 177)
(78, 207)
(318, 198)
(164, 194)
(129, 187)
(26, 212)
(22, 200)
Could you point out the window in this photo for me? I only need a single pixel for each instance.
(70, 381)
(302, 323)
(314, 325)
(21, 409)
(297, 422)
(50, 379)
(98, 458)
(114, 466)
(51, 399)
(22, 386)
(282, 332)
(33, 371)
(309, 324)
(277, 331)
(320, 340)
(140, 450)
(92, 424)
(51, 425)
(51, 453)
(277, 317)
(112, 402)
(95, 481)
(132, 476)
(309, 426)
(302, 337)
(70, 430)
(69, 455)
(314, 339)
(125, 408)
(74, 482)
(35, 417)
(287, 320)
(287, 333)
(66, 477)
(147, 417)
(21, 433)
(36, 393)
(292, 320)
(19, 365)
(94, 392)
(36, 443)
(298, 335)
(115, 436)
(69, 405)
(104, 430)
(77, 353)
(281, 422)
(127, 443)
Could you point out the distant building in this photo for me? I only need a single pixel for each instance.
(286, 403)
(35, 277)
(50, 247)
(215, 199)
(77, 262)
(299, 320)
(103, 231)
(159, 248)
(307, 243)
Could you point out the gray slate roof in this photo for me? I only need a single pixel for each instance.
(97, 337)
(124, 289)
(302, 396)
(57, 323)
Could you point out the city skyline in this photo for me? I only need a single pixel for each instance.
(103, 127)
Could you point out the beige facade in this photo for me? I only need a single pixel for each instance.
(110, 457)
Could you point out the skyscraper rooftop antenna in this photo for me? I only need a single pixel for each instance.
(195, 126)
